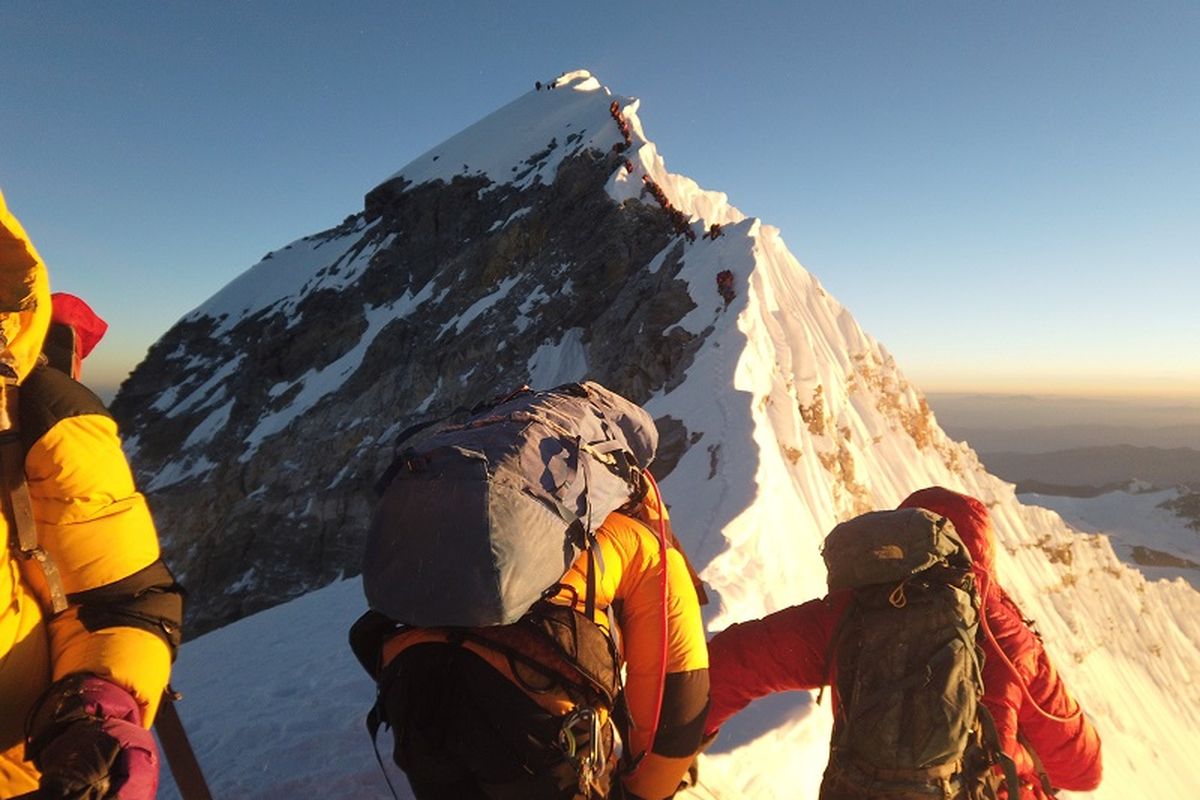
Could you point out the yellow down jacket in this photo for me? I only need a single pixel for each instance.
(121, 619)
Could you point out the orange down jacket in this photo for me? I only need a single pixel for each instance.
(630, 577)
(787, 650)
(91, 521)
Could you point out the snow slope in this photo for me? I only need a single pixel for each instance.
(1133, 519)
(803, 420)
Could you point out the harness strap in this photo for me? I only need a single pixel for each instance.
(376, 718)
(589, 602)
(19, 507)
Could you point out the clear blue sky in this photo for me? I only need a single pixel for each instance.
(1007, 195)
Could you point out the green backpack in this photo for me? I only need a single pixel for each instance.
(906, 666)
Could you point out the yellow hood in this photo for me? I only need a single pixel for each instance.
(24, 293)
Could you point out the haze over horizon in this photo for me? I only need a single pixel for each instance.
(1004, 195)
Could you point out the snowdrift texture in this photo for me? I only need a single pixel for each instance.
(528, 249)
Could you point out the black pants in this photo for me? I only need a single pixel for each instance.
(465, 732)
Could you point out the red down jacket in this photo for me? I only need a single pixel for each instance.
(787, 651)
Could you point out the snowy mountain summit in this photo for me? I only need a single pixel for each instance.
(548, 243)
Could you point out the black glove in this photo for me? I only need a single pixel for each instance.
(86, 737)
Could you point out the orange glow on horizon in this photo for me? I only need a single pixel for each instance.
(1174, 387)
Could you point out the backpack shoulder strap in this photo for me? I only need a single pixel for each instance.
(18, 506)
(50, 396)
(991, 738)
(367, 636)
(1043, 776)
(45, 398)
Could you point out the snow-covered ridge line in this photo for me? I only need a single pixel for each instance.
(684, 193)
(519, 144)
(578, 104)
(501, 144)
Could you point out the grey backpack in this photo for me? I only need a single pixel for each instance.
(481, 513)
(909, 675)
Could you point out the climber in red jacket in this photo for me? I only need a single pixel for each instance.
(1040, 726)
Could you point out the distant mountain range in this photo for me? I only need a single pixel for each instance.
(1038, 424)
(985, 438)
(1090, 471)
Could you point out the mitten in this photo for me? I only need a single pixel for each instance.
(86, 736)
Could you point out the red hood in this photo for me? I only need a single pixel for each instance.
(970, 518)
(69, 310)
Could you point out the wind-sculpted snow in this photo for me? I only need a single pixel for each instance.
(547, 243)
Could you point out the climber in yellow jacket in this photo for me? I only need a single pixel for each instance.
(89, 615)
(472, 709)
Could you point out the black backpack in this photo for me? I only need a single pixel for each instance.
(909, 673)
(455, 718)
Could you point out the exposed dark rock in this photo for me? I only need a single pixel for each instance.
(1156, 558)
(673, 441)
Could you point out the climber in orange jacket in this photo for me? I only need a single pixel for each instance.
(461, 701)
(89, 615)
(1036, 718)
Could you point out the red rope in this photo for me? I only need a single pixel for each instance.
(987, 630)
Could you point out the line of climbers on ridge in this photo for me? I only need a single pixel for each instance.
(533, 624)
(614, 109)
(679, 221)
